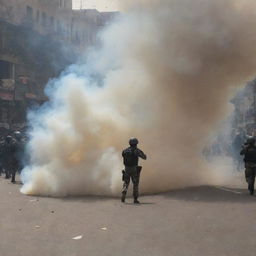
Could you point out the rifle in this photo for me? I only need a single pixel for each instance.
(139, 168)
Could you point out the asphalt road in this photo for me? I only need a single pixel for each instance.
(207, 221)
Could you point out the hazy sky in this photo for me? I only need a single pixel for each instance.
(101, 5)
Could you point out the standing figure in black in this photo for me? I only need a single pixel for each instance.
(9, 149)
(249, 152)
(132, 170)
(2, 142)
(19, 151)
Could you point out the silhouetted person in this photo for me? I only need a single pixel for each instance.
(8, 155)
(249, 152)
(19, 151)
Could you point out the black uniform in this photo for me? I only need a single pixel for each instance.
(132, 170)
(1, 157)
(9, 159)
(19, 154)
(249, 152)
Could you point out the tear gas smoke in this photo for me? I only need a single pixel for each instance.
(167, 70)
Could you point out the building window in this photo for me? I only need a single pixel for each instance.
(29, 13)
(6, 70)
(37, 16)
(43, 19)
(59, 30)
(4, 115)
(77, 37)
(52, 22)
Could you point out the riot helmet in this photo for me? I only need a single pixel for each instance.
(133, 142)
(250, 141)
(17, 135)
(8, 138)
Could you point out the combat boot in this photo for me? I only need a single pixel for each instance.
(136, 201)
(123, 197)
(13, 178)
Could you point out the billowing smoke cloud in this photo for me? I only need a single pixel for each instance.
(165, 72)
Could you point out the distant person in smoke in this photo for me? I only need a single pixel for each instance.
(2, 141)
(249, 153)
(8, 155)
(132, 170)
(19, 151)
(236, 147)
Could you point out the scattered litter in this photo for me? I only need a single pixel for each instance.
(37, 226)
(104, 228)
(52, 211)
(77, 237)
(33, 200)
(19, 209)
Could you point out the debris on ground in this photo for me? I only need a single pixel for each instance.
(77, 237)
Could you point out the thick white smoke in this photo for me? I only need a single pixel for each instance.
(163, 74)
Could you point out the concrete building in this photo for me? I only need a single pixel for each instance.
(38, 39)
(43, 16)
(32, 35)
(52, 18)
(86, 23)
(55, 18)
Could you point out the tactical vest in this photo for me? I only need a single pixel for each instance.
(130, 157)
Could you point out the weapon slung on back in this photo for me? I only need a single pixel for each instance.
(139, 168)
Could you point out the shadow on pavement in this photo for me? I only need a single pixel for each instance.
(17, 183)
(196, 194)
(141, 203)
(86, 199)
(94, 199)
(212, 194)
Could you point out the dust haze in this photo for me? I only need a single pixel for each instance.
(165, 70)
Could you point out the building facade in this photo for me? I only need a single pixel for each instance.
(38, 39)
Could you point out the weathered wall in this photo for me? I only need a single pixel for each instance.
(47, 17)
(39, 38)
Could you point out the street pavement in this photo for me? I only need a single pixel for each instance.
(207, 221)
